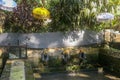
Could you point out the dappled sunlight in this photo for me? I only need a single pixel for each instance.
(76, 76)
(34, 40)
(53, 44)
(73, 38)
(112, 77)
(1, 51)
(50, 40)
(37, 75)
(79, 75)
(83, 75)
(51, 50)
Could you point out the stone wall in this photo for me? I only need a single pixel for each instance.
(111, 35)
(58, 39)
(51, 39)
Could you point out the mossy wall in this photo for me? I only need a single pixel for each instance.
(109, 61)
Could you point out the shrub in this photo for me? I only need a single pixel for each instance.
(72, 68)
(110, 60)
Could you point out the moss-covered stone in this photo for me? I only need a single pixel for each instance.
(28, 71)
(110, 60)
(17, 70)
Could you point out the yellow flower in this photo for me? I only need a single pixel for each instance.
(41, 13)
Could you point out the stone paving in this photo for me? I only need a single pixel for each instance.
(91, 75)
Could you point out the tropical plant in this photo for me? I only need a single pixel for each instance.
(21, 20)
(66, 15)
(70, 15)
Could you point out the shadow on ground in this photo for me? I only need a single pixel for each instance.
(91, 75)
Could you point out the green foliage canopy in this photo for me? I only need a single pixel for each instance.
(66, 15)
(81, 14)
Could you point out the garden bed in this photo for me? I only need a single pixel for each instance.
(56, 64)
